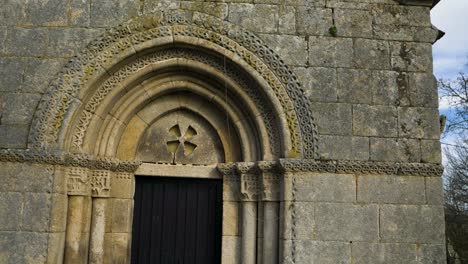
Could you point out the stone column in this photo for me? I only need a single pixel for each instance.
(270, 186)
(100, 191)
(249, 192)
(78, 190)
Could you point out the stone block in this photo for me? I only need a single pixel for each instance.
(230, 252)
(26, 42)
(434, 191)
(58, 213)
(412, 223)
(385, 87)
(79, 13)
(122, 185)
(411, 56)
(375, 120)
(418, 122)
(38, 73)
(12, 12)
(299, 220)
(323, 252)
(354, 86)
(423, 90)
(66, 42)
(325, 188)
(319, 83)
(384, 253)
(330, 52)
(348, 4)
(36, 212)
(391, 149)
(11, 205)
(258, 18)
(150, 6)
(19, 107)
(117, 246)
(287, 20)
(291, 49)
(121, 211)
(11, 75)
(231, 218)
(13, 136)
(314, 21)
(404, 98)
(112, 13)
(392, 189)
(434, 254)
(333, 118)
(8, 177)
(353, 23)
(55, 246)
(405, 33)
(346, 222)
(47, 13)
(371, 54)
(33, 246)
(401, 15)
(215, 9)
(431, 151)
(9, 252)
(314, 3)
(33, 177)
(343, 147)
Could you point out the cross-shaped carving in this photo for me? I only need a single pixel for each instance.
(176, 140)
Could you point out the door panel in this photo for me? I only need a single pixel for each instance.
(177, 221)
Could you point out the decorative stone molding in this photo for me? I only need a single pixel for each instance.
(362, 167)
(249, 180)
(143, 32)
(77, 181)
(270, 180)
(429, 3)
(67, 159)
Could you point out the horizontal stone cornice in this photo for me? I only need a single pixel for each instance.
(429, 3)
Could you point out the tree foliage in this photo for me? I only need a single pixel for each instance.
(455, 92)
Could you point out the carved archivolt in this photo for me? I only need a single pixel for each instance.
(67, 91)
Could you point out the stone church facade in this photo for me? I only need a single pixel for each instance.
(319, 119)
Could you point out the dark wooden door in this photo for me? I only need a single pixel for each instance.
(177, 221)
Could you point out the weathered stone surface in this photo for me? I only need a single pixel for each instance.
(354, 86)
(66, 42)
(418, 122)
(11, 204)
(79, 14)
(26, 42)
(19, 108)
(55, 243)
(112, 13)
(371, 54)
(384, 253)
(230, 218)
(12, 13)
(330, 52)
(299, 220)
(230, 253)
(390, 149)
(291, 49)
(385, 87)
(374, 120)
(325, 188)
(344, 147)
(353, 23)
(215, 9)
(23, 247)
(383, 189)
(431, 151)
(349, 4)
(401, 15)
(434, 194)
(13, 136)
(323, 252)
(47, 13)
(121, 211)
(423, 90)
(412, 223)
(38, 73)
(340, 221)
(319, 83)
(58, 213)
(411, 56)
(151, 6)
(434, 254)
(287, 20)
(36, 212)
(11, 75)
(313, 21)
(33, 177)
(405, 33)
(333, 118)
(259, 18)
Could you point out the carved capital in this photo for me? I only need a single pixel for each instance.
(249, 180)
(100, 183)
(270, 180)
(77, 181)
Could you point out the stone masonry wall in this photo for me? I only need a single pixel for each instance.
(371, 85)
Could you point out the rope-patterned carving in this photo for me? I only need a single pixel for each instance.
(106, 50)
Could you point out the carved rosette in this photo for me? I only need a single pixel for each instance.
(249, 180)
(270, 180)
(100, 183)
(77, 181)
